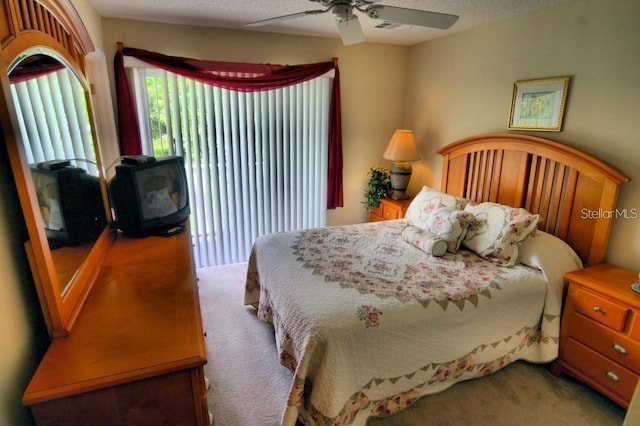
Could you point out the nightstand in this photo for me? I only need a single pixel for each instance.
(389, 209)
(600, 331)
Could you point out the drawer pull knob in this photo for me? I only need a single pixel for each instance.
(613, 376)
(619, 348)
(596, 309)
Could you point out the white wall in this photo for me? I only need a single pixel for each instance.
(462, 85)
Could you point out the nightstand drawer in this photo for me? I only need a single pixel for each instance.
(390, 212)
(377, 211)
(389, 209)
(602, 339)
(601, 310)
(608, 375)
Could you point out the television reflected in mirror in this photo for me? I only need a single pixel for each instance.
(70, 202)
(149, 196)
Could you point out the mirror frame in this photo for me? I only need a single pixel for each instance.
(55, 26)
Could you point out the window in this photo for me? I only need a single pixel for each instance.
(256, 161)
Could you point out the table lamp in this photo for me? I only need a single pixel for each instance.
(401, 150)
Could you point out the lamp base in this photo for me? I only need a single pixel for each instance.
(399, 196)
(400, 174)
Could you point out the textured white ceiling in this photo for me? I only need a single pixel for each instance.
(233, 14)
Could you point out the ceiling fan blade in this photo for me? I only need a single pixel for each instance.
(350, 31)
(285, 17)
(401, 15)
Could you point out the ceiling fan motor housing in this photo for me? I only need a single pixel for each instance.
(343, 11)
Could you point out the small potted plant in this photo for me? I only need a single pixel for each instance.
(379, 186)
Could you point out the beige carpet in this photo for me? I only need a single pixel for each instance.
(249, 387)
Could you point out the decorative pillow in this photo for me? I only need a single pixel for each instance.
(424, 240)
(449, 224)
(496, 231)
(553, 257)
(545, 251)
(427, 200)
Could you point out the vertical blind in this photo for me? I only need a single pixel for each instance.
(50, 109)
(256, 161)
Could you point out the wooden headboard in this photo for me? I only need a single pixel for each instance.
(574, 192)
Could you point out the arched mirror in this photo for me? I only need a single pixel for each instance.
(47, 122)
(55, 130)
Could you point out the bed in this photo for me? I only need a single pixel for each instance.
(371, 317)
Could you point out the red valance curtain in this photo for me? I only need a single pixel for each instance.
(223, 74)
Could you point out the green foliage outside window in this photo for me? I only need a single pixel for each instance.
(161, 93)
(157, 115)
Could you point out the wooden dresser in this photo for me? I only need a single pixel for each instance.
(136, 353)
(389, 209)
(600, 331)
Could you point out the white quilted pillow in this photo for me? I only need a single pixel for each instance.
(426, 201)
(497, 230)
(424, 240)
(545, 251)
(450, 224)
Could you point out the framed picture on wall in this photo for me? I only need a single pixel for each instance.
(538, 104)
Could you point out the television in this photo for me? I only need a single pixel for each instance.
(70, 202)
(149, 195)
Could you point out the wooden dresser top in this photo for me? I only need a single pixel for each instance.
(141, 319)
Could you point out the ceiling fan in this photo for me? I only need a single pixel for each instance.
(349, 26)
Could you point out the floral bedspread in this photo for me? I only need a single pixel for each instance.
(368, 323)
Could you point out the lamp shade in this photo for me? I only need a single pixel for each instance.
(402, 147)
